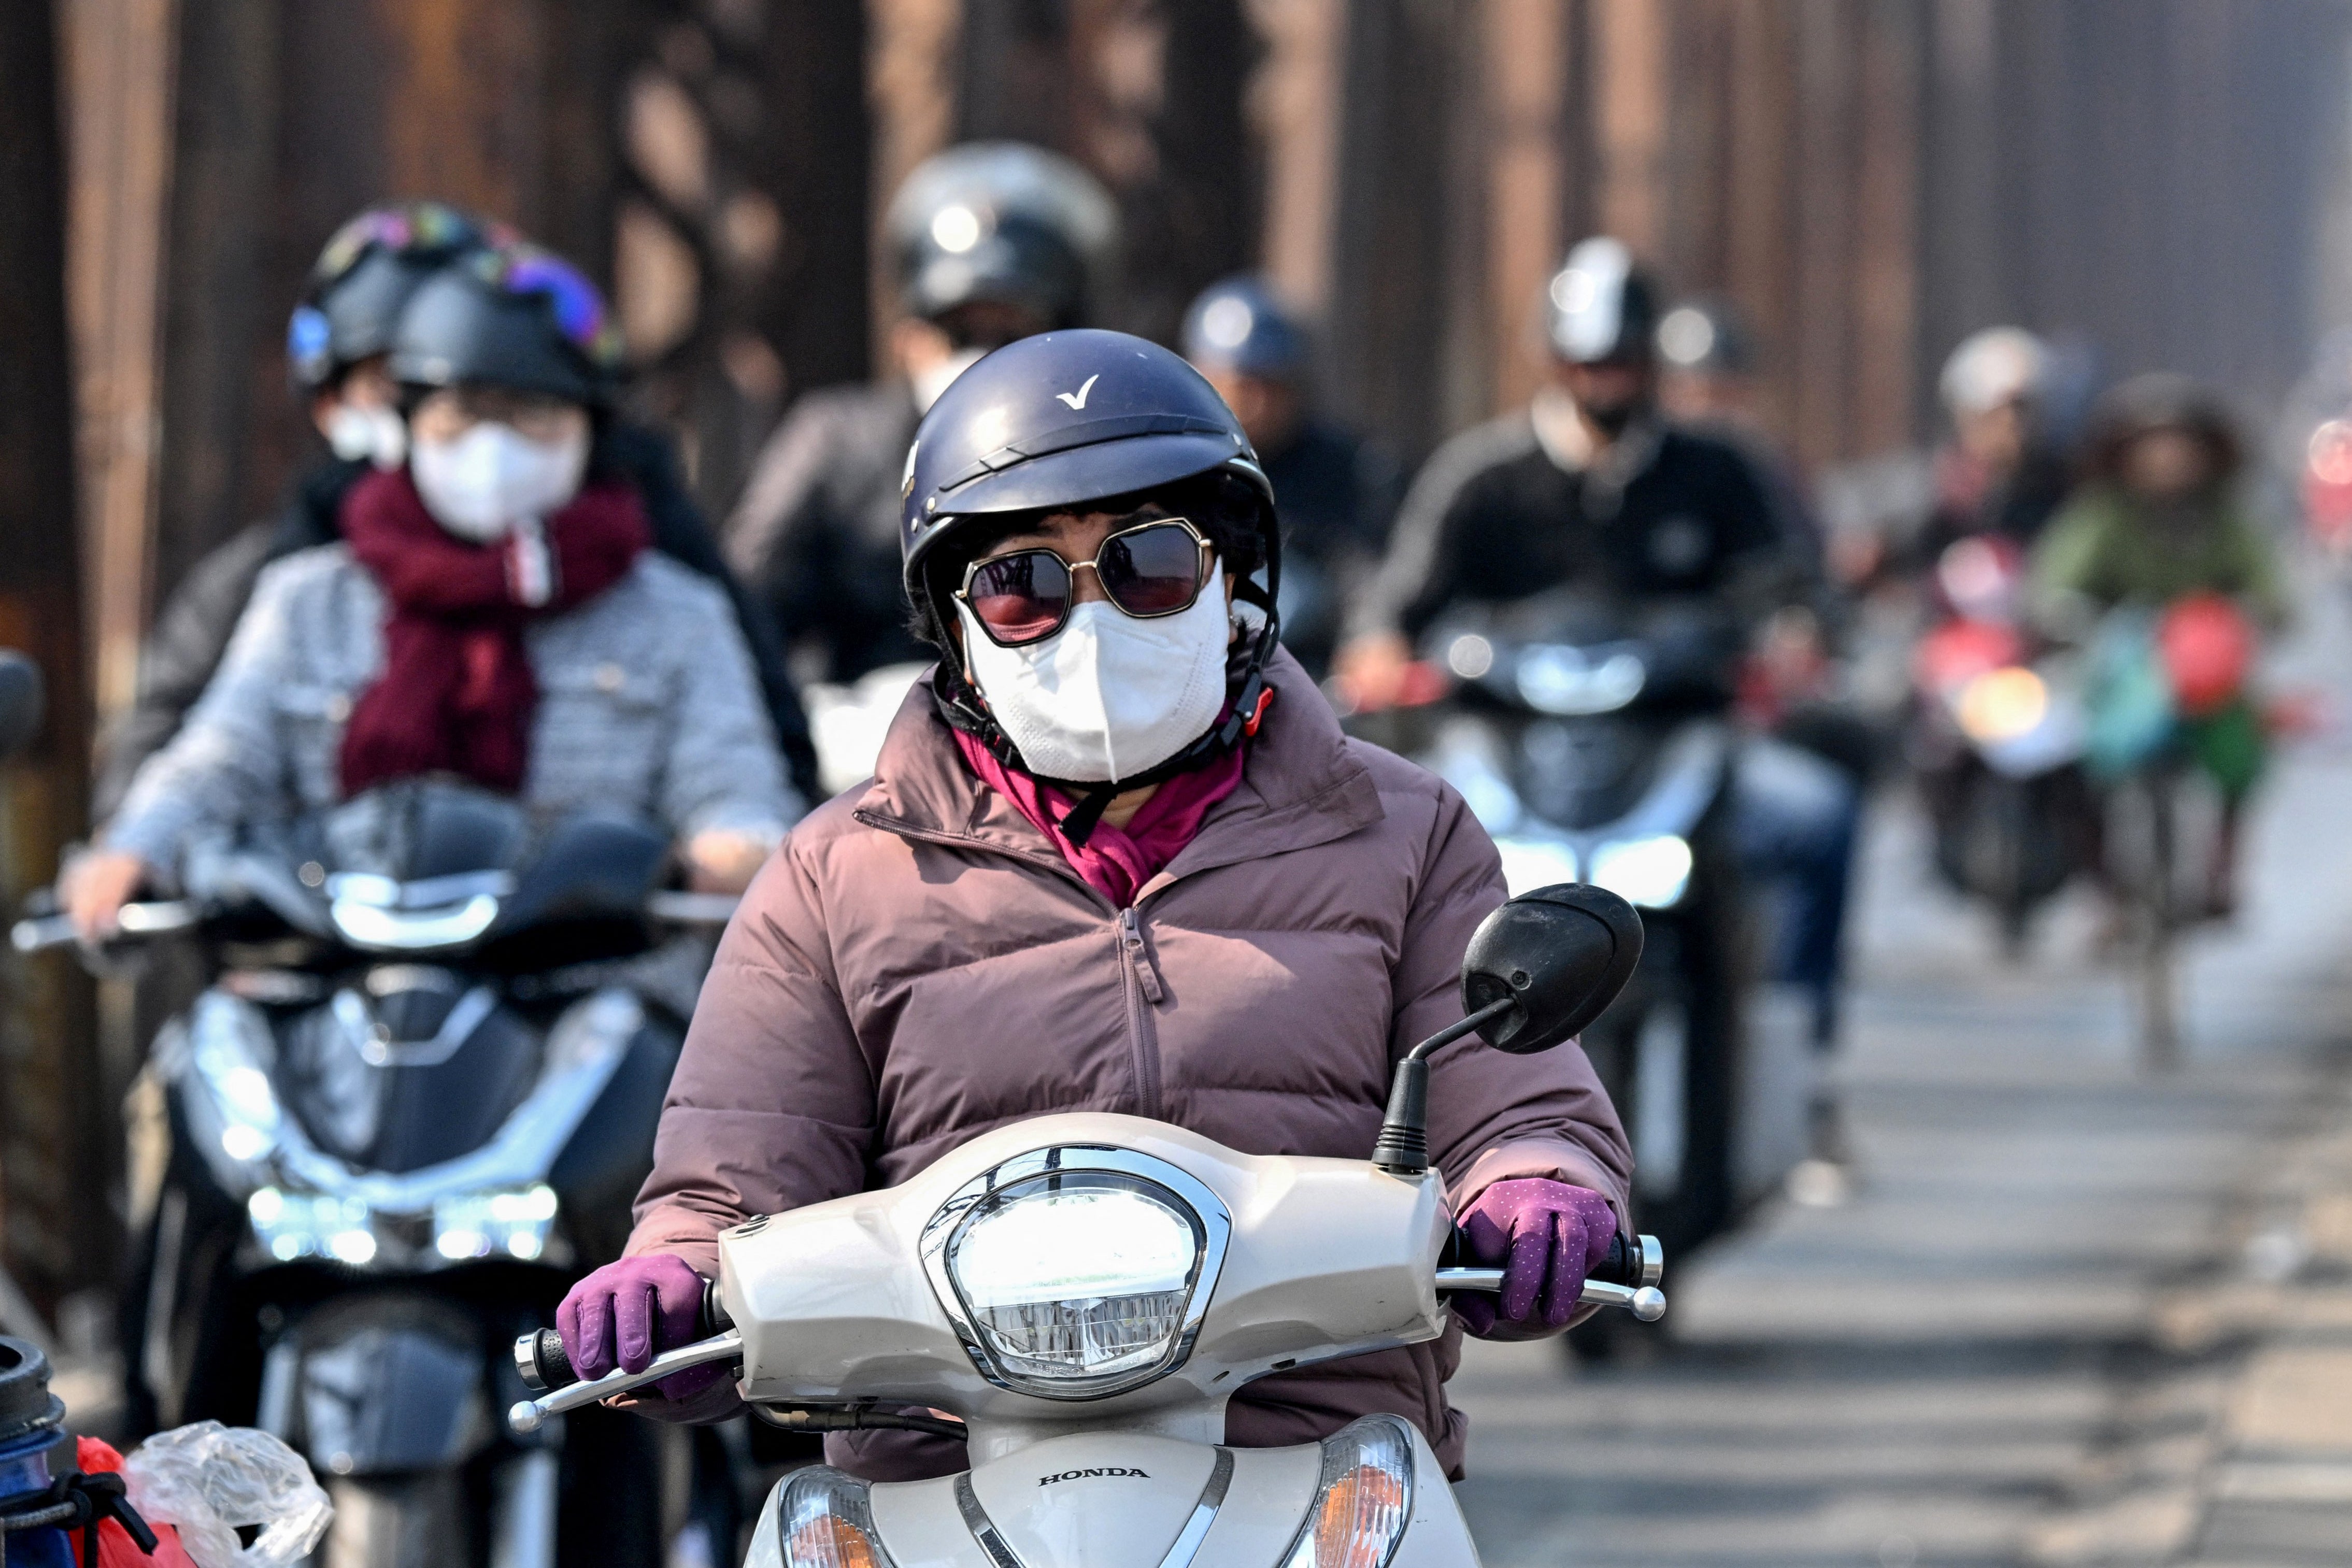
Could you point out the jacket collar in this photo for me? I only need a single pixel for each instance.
(1300, 787)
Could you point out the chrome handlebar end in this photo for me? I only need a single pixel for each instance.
(528, 1415)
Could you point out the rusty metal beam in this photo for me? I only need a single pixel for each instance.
(55, 1229)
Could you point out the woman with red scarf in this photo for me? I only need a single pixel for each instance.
(494, 612)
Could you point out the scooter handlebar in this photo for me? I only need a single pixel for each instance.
(37, 933)
(1627, 1278)
(546, 1365)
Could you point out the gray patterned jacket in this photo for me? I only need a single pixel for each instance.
(648, 704)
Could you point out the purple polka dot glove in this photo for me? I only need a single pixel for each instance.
(626, 1313)
(1545, 1236)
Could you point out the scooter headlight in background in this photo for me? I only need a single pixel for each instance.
(1364, 1499)
(1532, 863)
(494, 1225)
(1651, 873)
(823, 1519)
(1078, 1272)
(292, 1225)
(2002, 705)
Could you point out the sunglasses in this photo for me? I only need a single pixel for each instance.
(576, 305)
(1151, 570)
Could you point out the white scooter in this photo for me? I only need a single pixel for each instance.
(1086, 1291)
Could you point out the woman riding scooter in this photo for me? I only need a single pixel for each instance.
(1111, 837)
(2157, 522)
(494, 612)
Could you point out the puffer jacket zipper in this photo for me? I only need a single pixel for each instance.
(1143, 992)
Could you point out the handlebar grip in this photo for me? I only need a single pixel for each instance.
(546, 1366)
(1634, 1261)
(541, 1358)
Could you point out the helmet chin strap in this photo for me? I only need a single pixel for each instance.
(958, 702)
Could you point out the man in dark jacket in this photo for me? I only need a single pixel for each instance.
(336, 343)
(1336, 493)
(993, 242)
(1589, 487)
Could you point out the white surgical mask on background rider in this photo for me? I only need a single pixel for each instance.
(934, 379)
(1108, 696)
(480, 485)
(355, 431)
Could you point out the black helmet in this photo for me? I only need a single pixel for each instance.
(1064, 418)
(1706, 337)
(1002, 223)
(1600, 307)
(1239, 324)
(364, 278)
(514, 316)
(2162, 400)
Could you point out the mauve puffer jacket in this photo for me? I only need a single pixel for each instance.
(917, 965)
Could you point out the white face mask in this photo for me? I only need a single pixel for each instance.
(491, 478)
(373, 433)
(930, 381)
(1107, 697)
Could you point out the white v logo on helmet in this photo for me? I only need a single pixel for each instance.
(1077, 399)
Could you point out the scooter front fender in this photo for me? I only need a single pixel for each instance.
(1122, 1499)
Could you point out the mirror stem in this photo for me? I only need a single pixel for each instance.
(1403, 1146)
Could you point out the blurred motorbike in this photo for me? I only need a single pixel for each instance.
(1594, 744)
(1077, 1296)
(2168, 719)
(1996, 743)
(417, 1100)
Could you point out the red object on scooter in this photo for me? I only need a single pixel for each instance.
(115, 1547)
(1959, 650)
(2207, 648)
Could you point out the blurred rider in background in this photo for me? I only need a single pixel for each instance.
(991, 242)
(2157, 522)
(337, 342)
(1590, 485)
(493, 609)
(2002, 474)
(1336, 495)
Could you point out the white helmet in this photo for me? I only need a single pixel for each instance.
(1995, 366)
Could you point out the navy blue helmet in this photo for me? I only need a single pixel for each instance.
(1060, 418)
(1239, 324)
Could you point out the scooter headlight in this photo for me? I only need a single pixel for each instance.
(1651, 873)
(823, 1519)
(1365, 1499)
(2002, 704)
(1078, 1280)
(1532, 863)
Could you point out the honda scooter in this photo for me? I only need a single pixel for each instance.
(1084, 1293)
(417, 1100)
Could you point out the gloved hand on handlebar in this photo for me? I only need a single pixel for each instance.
(1545, 1236)
(628, 1312)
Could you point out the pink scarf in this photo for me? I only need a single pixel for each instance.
(1115, 862)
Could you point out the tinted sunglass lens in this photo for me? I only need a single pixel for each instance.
(1020, 597)
(1153, 571)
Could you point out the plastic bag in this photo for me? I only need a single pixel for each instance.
(207, 1479)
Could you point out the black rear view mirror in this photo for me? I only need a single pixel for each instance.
(1537, 971)
(1559, 955)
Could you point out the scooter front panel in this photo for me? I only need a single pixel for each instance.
(1106, 1500)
